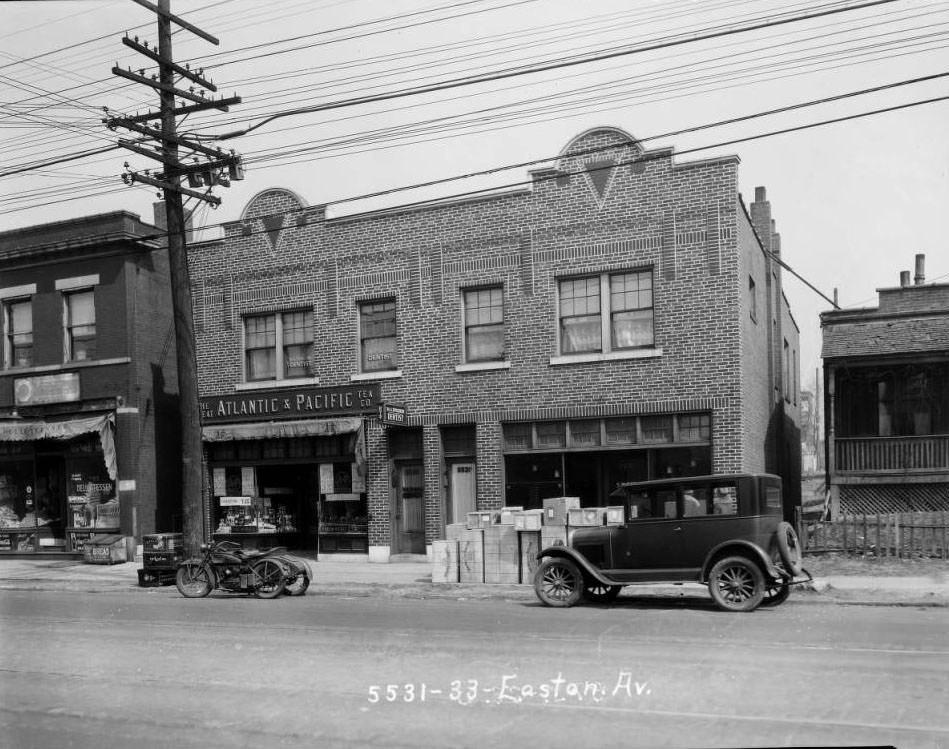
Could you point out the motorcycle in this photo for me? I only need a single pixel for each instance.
(227, 566)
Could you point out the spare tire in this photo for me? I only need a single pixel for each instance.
(789, 548)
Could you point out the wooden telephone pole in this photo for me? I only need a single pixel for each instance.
(217, 168)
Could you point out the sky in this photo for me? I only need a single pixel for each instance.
(854, 201)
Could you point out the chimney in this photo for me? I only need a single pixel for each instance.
(904, 278)
(920, 270)
(159, 220)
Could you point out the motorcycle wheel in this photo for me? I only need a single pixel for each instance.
(270, 578)
(194, 580)
(298, 586)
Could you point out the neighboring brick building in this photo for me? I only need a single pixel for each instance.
(88, 386)
(886, 378)
(619, 319)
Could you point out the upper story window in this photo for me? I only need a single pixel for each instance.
(278, 345)
(17, 333)
(79, 323)
(378, 346)
(484, 324)
(607, 312)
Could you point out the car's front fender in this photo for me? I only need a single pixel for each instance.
(581, 561)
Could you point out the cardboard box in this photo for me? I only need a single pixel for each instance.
(555, 509)
(471, 556)
(529, 520)
(615, 515)
(585, 516)
(529, 546)
(553, 535)
(507, 515)
(501, 558)
(454, 530)
(445, 568)
(481, 519)
(108, 549)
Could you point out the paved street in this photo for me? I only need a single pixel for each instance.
(115, 669)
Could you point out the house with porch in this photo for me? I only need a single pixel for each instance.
(886, 378)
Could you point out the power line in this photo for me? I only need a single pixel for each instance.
(543, 67)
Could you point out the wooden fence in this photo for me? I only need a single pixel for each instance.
(902, 535)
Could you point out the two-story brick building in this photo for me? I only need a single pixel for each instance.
(886, 379)
(88, 386)
(621, 317)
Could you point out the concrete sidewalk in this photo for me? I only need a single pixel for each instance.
(414, 580)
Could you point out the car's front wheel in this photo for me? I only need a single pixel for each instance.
(736, 584)
(558, 582)
(600, 593)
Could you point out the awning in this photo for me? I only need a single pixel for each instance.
(281, 429)
(29, 430)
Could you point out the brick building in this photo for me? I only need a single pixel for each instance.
(621, 317)
(88, 387)
(886, 379)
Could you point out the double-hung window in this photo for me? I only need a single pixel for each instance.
(17, 333)
(378, 346)
(484, 324)
(79, 322)
(278, 346)
(609, 312)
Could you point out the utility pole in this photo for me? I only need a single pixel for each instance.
(218, 168)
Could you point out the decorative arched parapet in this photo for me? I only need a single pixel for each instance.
(596, 156)
(271, 211)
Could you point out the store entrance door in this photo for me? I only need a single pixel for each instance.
(409, 509)
(461, 492)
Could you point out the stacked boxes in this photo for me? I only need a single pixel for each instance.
(615, 515)
(554, 535)
(445, 568)
(471, 556)
(508, 514)
(481, 519)
(529, 520)
(555, 509)
(529, 545)
(585, 516)
(501, 559)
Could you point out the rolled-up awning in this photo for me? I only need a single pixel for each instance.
(29, 430)
(281, 429)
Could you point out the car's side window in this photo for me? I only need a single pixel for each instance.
(725, 500)
(694, 501)
(666, 502)
(640, 506)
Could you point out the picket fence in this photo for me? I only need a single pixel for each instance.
(902, 535)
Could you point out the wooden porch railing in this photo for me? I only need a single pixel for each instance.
(854, 454)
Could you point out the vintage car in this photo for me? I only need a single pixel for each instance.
(726, 531)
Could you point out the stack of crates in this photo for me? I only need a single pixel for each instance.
(161, 554)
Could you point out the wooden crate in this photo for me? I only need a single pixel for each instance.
(501, 559)
(555, 509)
(529, 543)
(445, 567)
(529, 520)
(507, 515)
(615, 515)
(584, 517)
(453, 532)
(471, 556)
(550, 535)
(481, 519)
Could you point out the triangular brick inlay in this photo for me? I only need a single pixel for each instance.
(273, 225)
(599, 173)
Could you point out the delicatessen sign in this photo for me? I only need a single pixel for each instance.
(295, 403)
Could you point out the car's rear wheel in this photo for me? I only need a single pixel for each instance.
(600, 593)
(558, 582)
(789, 548)
(736, 584)
(776, 593)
